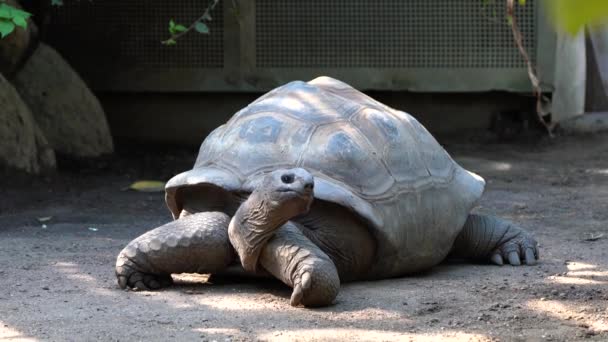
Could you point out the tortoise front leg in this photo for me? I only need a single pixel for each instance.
(493, 239)
(296, 261)
(197, 243)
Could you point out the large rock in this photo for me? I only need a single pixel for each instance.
(63, 106)
(15, 47)
(23, 145)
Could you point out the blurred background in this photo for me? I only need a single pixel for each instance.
(102, 75)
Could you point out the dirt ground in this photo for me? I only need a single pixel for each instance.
(57, 281)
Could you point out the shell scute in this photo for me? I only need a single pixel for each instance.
(340, 152)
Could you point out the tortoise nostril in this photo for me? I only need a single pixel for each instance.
(309, 186)
(287, 178)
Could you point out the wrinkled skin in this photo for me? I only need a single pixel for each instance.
(283, 195)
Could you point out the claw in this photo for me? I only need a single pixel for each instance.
(296, 296)
(514, 259)
(497, 259)
(530, 257)
(122, 282)
(139, 285)
(306, 281)
(298, 291)
(151, 282)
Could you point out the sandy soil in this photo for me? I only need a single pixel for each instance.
(57, 282)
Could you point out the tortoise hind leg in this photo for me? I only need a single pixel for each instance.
(197, 243)
(492, 239)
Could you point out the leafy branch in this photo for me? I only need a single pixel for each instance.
(10, 18)
(199, 25)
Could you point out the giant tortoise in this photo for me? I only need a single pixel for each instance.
(316, 183)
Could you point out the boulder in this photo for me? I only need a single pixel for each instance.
(67, 112)
(15, 48)
(23, 145)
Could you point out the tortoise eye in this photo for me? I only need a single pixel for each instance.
(287, 178)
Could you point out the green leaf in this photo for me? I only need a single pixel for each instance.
(169, 41)
(57, 2)
(201, 27)
(6, 27)
(148, 186)
(20, 21)
(573, 15)
(509, 20)
(19, 13)
(176, 28)
(5, 11)
(522, 2)
(10, 12)
(179, 28)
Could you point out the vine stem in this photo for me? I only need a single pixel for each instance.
(206, 14)
(518, 37)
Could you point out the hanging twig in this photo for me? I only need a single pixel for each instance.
(518, 37)
(205, 17)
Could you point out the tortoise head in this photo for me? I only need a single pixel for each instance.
(280, 196)
(286, 193)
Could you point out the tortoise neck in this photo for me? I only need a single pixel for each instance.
(253, 224)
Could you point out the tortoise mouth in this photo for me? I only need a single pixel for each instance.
(306, 193)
